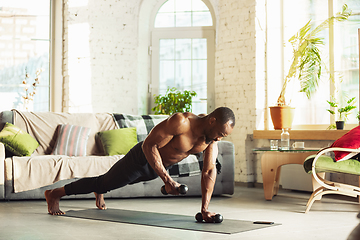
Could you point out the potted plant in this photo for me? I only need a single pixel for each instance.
(343, 112)
(306, 64)
(173, 101)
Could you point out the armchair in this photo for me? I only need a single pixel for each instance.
(320, 163)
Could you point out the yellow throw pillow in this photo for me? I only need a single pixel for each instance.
(118, 141)
(17, 141)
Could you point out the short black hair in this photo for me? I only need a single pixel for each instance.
(223, 115)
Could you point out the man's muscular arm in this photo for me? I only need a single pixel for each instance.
(158, 138)
(208, 179)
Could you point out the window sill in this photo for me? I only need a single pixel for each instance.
(300, 134)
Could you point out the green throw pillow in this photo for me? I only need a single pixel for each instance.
(17, 141)
(118, 141)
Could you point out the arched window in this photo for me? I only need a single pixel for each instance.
(180, 13)
(183, 42)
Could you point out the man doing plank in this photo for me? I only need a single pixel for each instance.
(168, 143)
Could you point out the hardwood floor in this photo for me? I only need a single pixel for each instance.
(330, 218)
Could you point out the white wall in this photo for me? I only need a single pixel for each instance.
(235, 73)
(106, 68)
(100, 55)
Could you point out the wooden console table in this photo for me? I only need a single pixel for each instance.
(271, 162)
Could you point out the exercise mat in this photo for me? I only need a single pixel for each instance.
(228, 226)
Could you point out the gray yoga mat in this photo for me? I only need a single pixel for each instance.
(228, 226)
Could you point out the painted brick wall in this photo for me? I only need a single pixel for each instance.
(100, 55)
(235, 73)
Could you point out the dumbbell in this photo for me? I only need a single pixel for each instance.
(218, 218)
(182, 189)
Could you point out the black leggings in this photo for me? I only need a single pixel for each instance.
(132, 168)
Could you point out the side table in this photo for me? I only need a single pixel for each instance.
(271, 162)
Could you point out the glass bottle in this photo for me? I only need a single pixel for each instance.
(285, 139)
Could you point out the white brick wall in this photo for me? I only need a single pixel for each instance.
(235, 73)
(101, 64)
(100, 60)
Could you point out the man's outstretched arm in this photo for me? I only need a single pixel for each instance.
(208, 178)
(158, 138)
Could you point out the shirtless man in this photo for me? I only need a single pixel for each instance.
(169, 142)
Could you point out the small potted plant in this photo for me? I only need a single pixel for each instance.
(343, 112)
(173, 101)
(306, 65)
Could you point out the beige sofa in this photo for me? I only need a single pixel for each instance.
(28, 177)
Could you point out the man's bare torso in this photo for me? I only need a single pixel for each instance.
(181, 146)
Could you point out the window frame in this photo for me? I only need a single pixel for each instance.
(56, 56)
(55, 50)
(207, 32)
(267, 123)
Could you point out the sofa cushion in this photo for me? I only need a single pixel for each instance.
(43, 126)
(72, 140)
(38, 171)
(350, 140)
(142, 123)
(118, 141)
(17, 141)
(327, 164)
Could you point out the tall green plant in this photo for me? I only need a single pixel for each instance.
(306, 62)
(173, 101)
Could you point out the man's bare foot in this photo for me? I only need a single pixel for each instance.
(100, 202)
(53, 199)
